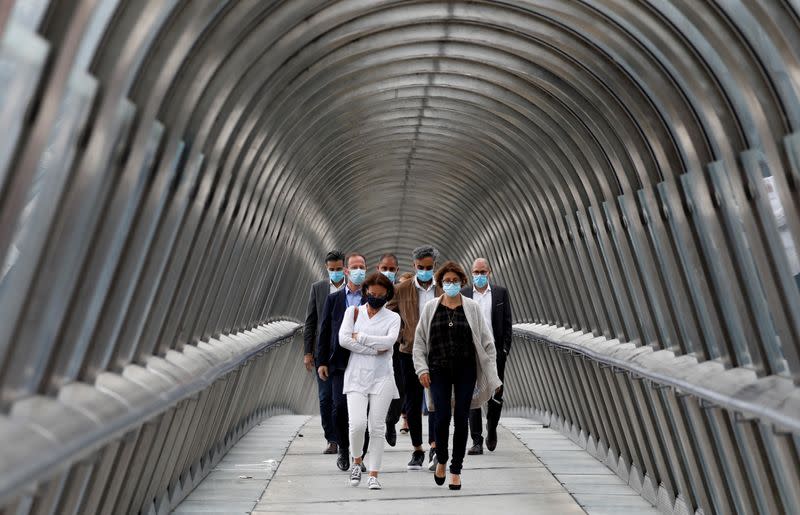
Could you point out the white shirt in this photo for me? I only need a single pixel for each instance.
(334, 289)
(367, 371)
(424, 295)
(484, 300)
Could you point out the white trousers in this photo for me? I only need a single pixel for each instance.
(357, 412)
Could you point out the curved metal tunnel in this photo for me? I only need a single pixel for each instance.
(172, 173)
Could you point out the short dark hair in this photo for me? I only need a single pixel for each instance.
(354, 254)
(451, 266)
(389, 255)
(378, 279)
(334, 255)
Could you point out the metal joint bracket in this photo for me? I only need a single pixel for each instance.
(706, 404)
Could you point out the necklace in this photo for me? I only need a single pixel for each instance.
(449, 318)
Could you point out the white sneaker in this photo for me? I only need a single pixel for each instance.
(355, 475)
(373, 483)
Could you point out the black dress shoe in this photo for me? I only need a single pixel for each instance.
(491, 438)
(332, 448)
(439, 480)
(343, 460)
(391, 435)
(475, 449)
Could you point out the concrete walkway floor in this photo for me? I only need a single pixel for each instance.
(278, 468)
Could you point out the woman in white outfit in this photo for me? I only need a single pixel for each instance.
(369, 332)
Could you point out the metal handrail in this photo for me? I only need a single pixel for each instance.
(682, 432)
(92, 432)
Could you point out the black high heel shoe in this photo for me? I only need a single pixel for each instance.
(439, 480)
(451, 486)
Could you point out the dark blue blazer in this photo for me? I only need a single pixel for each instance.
(329, 353)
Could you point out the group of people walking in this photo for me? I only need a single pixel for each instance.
(383, 348)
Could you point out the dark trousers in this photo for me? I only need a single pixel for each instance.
(340, 417)
(325, 391)
(458, 384)
(414, 392)
(396, 407)
(493, 409)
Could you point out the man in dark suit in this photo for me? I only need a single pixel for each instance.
(496, 308)
(334, 264)
(331, 358)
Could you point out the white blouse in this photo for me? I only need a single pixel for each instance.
(367, 371)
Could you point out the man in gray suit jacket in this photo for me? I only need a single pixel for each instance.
(334, 263)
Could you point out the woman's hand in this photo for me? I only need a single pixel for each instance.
(355, 336)
(425, 380)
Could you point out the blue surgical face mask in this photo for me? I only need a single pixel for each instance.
(336, 275)
(389, 275)
(357, 276)
(424, 276)
(451, 289)
(480, 280)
